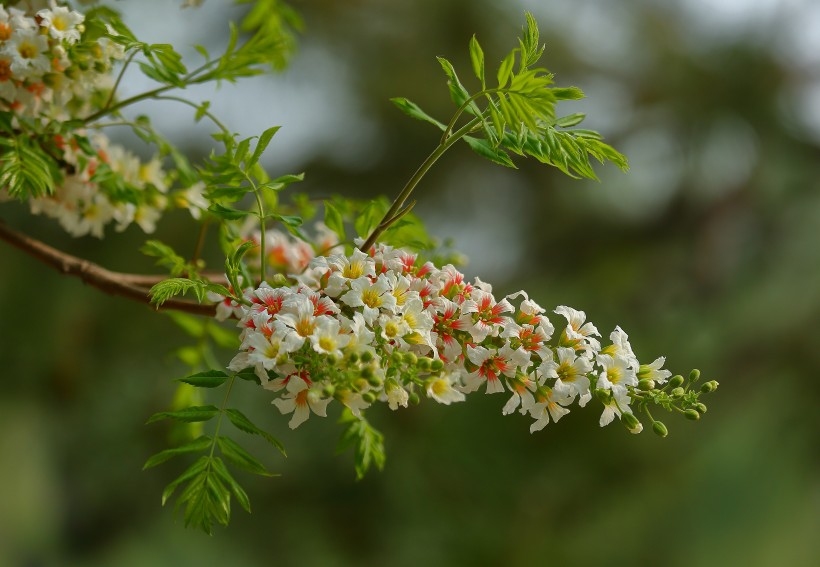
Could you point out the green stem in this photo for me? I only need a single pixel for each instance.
(119, 78)
(399, 201)
(189, 79)
(261, 207)
(198, 108)
(461, 110)
(221, 415)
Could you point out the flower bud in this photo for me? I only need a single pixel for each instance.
(709, 387)
(660, 429)
(396, 358)
(630, 421)
(700, 407)
(329, 390)
(279, 280)
(604, 396)
(436, 365)
(425, 364)
(374, 381)
(694, 376)
(677, 392)
(369, 397)
(353, 357)
(675, 381)
(414, 398)
(366, 356)
(691, 414)
(366, 372)
(646, 384)
(411, 358)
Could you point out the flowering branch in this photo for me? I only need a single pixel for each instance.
(131, 286)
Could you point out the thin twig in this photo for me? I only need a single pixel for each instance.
(131, 286)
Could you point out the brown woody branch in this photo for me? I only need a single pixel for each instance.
(131, 286)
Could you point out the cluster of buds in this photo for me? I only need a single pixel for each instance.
(384, 326)
(45, 69)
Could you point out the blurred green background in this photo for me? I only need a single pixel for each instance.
(707, 252)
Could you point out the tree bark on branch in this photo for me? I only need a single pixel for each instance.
(131, 286)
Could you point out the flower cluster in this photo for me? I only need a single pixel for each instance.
(385, 326)
(84, 203)
(45, 70)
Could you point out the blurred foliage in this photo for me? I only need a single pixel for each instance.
(707, 252)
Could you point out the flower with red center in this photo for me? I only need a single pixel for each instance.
(484, 315)
(301, 400)
(491, 363)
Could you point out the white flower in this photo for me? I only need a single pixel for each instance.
(61, 23)
(28, 52)
(618, 404)
(301, 399)
(617, 373)
(441, 389)
(570, 372)
(654, 371)
(549, 404)
(326, 338)
(396, 396)
(371, 297)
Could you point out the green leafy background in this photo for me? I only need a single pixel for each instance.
(706, 252)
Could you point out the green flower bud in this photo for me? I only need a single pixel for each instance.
(604, 396)
(692, 414)
(646, 384)
(700, 407)
(374, 381)
(630, 420)
(709, 387)
(353, 357)
(366, 372)
(329, 390)
(369, 397)
(436, 365)
(411, 358)
(660, 429)
(677, 392)
(694, 376)
(425, 364)
(396, 358)
(366, 356)
(414, 398)
(675, 381)
(279, 280)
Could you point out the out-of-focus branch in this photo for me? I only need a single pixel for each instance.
(131, 286)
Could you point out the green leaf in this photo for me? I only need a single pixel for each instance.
(242, 423)
(238, 492)
(477, 59)
(366, 442)
(261, 145)
(486, 150)
(227, 213)
(240, 457)
(166, 289)
(202, 443)
(187, 415)
(412, 110)
(369, 218)
(189, 473)
(570, 120)
(458, 93)
(207, 379)
(334, 221)
(505, 70)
